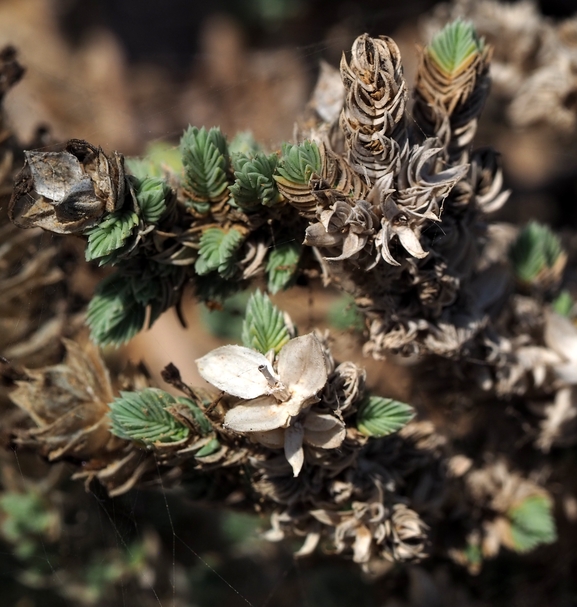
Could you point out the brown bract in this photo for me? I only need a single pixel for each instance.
(69, 403)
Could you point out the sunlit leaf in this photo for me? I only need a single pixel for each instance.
(454, 47)
(299, 162)
(264, 326)
(537, 248)
(142, 416)
(532, 523)
(379, 416)
(114, 316)
(110, 235)
(206, 162)
(217, 251)
(151, 194)
(254, 184)
(282, 265)
(563, 303)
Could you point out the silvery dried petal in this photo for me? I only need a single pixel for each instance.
(561, 336)
(323, 430)
(559, 426)
(329, 93)
(235, 370)
(273, 439)
(317, 236)
(257, 415)
(293, 447)
(302, 368)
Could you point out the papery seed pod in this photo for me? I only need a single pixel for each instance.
(67, 192)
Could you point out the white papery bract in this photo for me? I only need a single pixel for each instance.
(274, 401)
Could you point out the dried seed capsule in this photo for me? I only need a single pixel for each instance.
(67, 192)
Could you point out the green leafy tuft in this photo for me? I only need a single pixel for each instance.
(282, 265)
(299, 162)
(217, 251)
(117, 312)
(536, 249)
(264, 326)
(206, 163)
(379, 416)
(114, 315)
(455, 46)
(563, 303)
(151, 195)
(143, 416)
(26, 517)
(532, 523)
(255, 184)
(109, 236)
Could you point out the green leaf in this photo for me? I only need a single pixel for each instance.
(114, 316)
(264, 326)
(142, 416)
(211, 447)
(379, 416)
(151, 195)
(537, 248)
(345, 315)
(299, 162)
(26, 513)
(206, 162)
(200, 418)
(282, 265)
(532, 523)
(217, 251)
(255, 184)
(563, 303)
(244, 143)
(454, 46)
(109, 236)
(160, 157)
